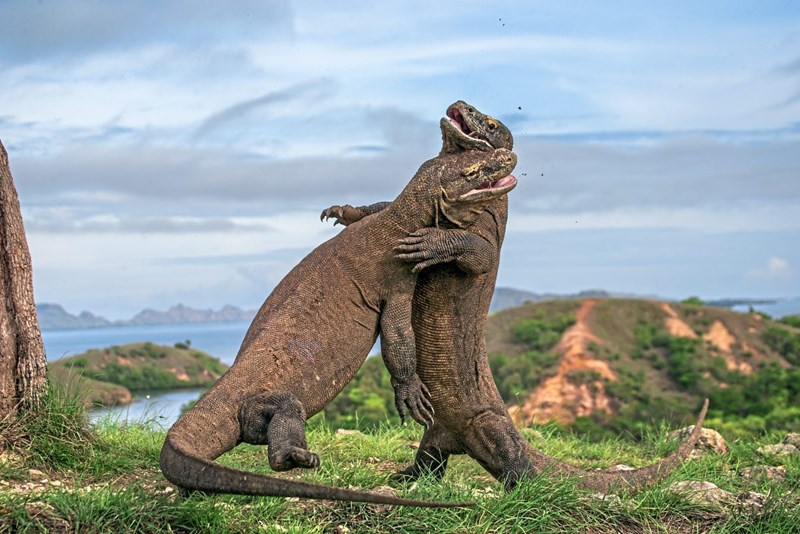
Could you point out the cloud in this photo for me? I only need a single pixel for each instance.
(313, 89)
(73, 28)
(687, 182)
(676, 172)
(58, 223)
(775, 269)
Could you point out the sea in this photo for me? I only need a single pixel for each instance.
(155, 408)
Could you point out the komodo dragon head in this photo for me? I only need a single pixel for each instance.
(466, 128)
(462, 183)
(463, 129)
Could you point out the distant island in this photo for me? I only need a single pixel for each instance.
(110, 376)
(55, 317)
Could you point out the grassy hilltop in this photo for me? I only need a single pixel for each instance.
(108, 376)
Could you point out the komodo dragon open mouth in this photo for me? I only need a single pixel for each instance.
(456, 119)
(490, 189)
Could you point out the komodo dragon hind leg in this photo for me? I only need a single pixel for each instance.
(277, 420)
(435, 448)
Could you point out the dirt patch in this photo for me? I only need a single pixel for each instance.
(720, 337)
(560, 398)
(122, 360)
(675, 325)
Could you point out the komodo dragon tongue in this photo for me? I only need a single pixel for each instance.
(188, 471)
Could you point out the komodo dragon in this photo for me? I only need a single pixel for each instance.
(313, 333)
(450, 306)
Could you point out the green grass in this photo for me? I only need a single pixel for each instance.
(110, 482)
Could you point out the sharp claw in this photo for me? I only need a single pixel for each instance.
(335, 223)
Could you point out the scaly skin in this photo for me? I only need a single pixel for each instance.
(313, 333)
(450, 307)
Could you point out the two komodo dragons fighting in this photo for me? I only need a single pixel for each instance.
(315, 330)
(458, 270)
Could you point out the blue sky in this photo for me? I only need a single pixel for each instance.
(181, 151)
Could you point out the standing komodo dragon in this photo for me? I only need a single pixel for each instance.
(313, 333)
(450, 306)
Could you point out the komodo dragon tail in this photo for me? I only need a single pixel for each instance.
(190, 472)
(605, 481)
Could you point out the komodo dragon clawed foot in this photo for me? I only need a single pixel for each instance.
(344, 215)
(413, 395)
(434, 450)
(277, 420)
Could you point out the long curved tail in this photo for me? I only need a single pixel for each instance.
(604, 481)
(188, 471)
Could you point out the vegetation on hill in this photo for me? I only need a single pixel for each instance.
(105, 375)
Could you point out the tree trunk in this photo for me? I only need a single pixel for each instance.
(23, 365)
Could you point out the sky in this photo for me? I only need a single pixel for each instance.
(182, 151)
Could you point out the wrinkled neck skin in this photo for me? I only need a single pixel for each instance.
(418, 205)
(455, 214)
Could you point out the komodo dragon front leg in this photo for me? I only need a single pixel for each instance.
(400, 356)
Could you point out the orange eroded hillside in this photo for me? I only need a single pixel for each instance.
(604, 346)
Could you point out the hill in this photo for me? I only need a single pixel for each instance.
(621, 365)
(109, 376)
(55, 317)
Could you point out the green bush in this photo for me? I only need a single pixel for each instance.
(791, 320)
(542, 334)
(516, 375)
(79, 363)
(142, 377)
(784, 342)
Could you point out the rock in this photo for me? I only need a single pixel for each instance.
(385, 491)
(710, 440)
(761, 472)
(778, 449)
(620, 467)
(611, 499)
(10, 458)
(35, 473)
(792, 439)
(751, 501)
(702, 493)
(56, 483)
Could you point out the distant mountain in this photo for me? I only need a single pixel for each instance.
(185, 314)
(55, 317)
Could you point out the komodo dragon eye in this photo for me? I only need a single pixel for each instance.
(492, 124)
(471, 171)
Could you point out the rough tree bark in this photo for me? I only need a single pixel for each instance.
(23, 365)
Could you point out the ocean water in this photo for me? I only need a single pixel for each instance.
(158, 408)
